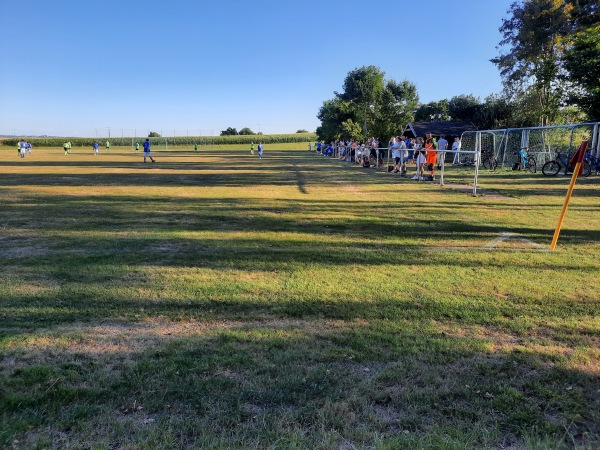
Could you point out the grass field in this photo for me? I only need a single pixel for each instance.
(222, 301)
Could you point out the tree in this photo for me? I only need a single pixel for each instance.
(332, 114)
(531, 64)
(582, 57)
(153, 134)
(363, 88)
(495, 112)
(229, 132)
(399, 101)
(433, 112)
(246, 132)
(464, 108)
(368, 106)
(302, 131)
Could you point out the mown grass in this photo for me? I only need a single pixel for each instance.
(221, 301)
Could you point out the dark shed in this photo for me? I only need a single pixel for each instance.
(437, 129)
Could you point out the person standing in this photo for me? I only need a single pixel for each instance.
(260, 150)
(22, 148)
(252, 148)
(95, 146)
(456, 149)
(442, 146)
(419, 158)
(137, 147)
(66, 147)
(431, 147)
(401, 143)
(395, 148)
(195, 148)
(147, 146)
(107, 146)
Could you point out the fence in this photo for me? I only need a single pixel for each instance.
(462, 157)
(543, 143)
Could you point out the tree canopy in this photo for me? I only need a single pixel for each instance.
(369, 105)
(550, 53)
(229, 132)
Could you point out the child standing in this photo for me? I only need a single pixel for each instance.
(431, 147)
(419, 159)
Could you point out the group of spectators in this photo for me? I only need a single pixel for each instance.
(424, 153)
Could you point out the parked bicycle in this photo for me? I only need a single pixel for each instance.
(552, 168)
(594, 163)
(525, 162)
(490, 162)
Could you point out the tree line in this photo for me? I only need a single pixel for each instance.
(548, 60)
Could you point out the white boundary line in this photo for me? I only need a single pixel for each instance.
(508, 235)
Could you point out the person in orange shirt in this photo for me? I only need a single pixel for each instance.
(431, 147)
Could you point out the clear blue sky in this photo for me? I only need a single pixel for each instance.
(77, 67)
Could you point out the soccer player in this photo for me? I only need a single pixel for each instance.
(22, 148)
(107, 146)
(260, 150)
(137, 147)
(95, 148)
(66, 147)
(195, 148)
(69, 147)
(252, 148)
(147, 153)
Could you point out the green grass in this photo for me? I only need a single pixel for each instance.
(221, 301)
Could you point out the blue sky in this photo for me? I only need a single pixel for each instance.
(78, 67)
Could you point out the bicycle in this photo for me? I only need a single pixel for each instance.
(525, 162)
(552, 168)
(593, 162)
(490, 162)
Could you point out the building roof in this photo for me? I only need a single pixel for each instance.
(414, 129)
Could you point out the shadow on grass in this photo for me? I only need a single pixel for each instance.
(253, 385)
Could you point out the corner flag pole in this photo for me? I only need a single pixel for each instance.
(578, 161)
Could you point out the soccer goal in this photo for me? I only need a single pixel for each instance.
(180, 143)
(541, 143)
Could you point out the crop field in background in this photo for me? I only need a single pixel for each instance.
(216, 300)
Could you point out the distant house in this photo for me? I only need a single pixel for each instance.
(437, 129)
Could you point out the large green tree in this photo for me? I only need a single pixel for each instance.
(464, 108)
(533, 43)
(433, 112)
(369, 105)
(582, 57)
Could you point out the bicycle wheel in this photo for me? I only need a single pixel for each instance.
(531, 164)
(551, 168)
(487, 162)
(587, 169)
